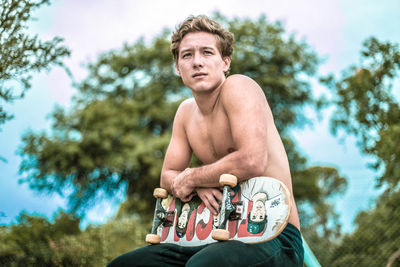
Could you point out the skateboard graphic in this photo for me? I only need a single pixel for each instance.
(257, 211)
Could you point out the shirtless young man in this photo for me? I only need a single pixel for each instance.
(229, 126)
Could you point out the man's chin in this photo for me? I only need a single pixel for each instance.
(202, 88)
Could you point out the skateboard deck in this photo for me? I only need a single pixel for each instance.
(256, 212)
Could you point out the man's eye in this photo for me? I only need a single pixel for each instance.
(207, 52)
(186, 55)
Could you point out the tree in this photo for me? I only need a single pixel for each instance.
(116, 133)
(21, 55)
(320, 224)
(376, 237)
(29, 242)
(35, 241)
(367, 108)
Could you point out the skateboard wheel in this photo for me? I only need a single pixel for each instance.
(228, 179)
(153, 239)
(220, 234)
(160, 193)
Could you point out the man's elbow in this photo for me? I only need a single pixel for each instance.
(164, 181)
(163, 184)
(254, 166)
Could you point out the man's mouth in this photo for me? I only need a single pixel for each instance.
(199, 75)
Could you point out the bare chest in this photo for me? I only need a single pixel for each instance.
(210, 138)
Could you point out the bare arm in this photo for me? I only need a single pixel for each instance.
(249, 115)
(179, 153)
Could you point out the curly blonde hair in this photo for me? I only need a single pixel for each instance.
(202, 23)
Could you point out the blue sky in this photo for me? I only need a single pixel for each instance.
(335, 29)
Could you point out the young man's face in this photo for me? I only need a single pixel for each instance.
(200, 64)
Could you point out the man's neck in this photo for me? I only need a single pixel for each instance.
(206, 101)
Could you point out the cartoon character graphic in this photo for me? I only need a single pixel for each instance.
(184, 211)
(259, 193)
(183, 220)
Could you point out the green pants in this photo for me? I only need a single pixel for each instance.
(284, 250)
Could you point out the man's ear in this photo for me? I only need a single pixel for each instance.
(177, 69)
(227, 62)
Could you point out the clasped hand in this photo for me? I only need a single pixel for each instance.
(183, 189)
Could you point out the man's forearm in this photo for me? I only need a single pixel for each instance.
(236, 163)
(182, 184)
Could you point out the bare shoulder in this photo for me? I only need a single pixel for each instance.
(187, 104)
(184, 110)
(239, 78)
(242, 89)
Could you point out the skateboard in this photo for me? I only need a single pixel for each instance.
(253, 211)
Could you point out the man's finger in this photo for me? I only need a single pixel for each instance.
(187, 198)
(212, 209)
(214, 204)
(218, 196)
(208, 205)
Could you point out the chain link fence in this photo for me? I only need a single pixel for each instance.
(375, 240)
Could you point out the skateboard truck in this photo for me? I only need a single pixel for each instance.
(227, 209)
(160, 216)
(236, 214)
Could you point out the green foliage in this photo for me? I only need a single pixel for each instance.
(317, 188)
(29, 242)
(38, 242)
(376, 238)
(367, 107)
(116, 133)
(21, 54)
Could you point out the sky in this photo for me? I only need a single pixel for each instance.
(334, 28)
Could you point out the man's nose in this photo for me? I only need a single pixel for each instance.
(197, 60)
